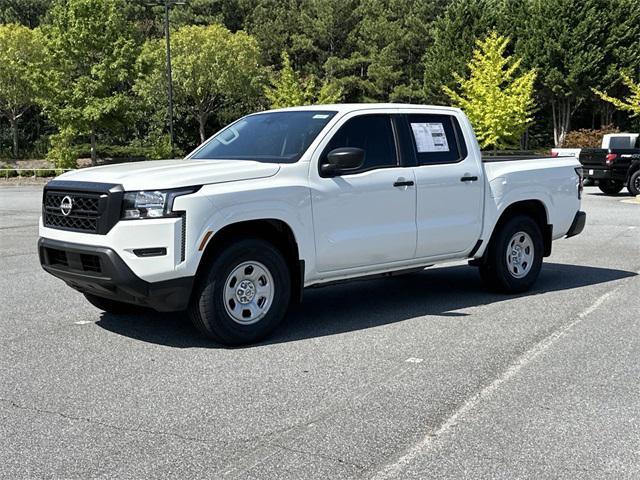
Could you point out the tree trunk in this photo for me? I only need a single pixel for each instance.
(606, 114)
(94, 153)
(13, 121)
(561, 110)
(202, 122)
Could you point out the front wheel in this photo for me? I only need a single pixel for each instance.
(244, 295)
(634, 183)
(514, 256)
(610, 187)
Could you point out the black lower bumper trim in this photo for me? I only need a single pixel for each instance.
(578, 224)
(107, 275)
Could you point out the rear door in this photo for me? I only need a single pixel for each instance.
(449, 185)
(365, 217)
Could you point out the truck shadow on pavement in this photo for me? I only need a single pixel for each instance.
(365, 304)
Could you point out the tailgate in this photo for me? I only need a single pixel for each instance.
(593, 157)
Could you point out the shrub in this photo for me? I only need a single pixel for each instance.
(61, 153)
(161, 148)
(7, 172)
(46, 173)
(588, 138)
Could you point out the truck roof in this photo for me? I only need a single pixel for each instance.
(352, 107)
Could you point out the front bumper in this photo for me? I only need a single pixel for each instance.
(101, 272)
(577, 225)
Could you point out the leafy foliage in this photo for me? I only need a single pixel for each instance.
(94, 83)
(289, 90)
(453, 36)
(630, 103)
(216, 73)
(92, 50)
(499, 103)
(26, 12)
(21, 64)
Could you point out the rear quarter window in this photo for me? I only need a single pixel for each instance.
(436, 138)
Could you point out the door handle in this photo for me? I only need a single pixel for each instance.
(403, 183)
(468, 179)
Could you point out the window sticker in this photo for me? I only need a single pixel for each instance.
(320, 116)
(430, 137)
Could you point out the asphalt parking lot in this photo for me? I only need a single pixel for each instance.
(421, 376)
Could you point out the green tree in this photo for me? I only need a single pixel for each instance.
(92, 50)
(230, 13)
(216, 74)
(314, 33)
(273, 23)
(499, 103)
(387, 44)
(621, 47)
(25, 12)
(289, 90)
(21, 63)
(452, 38)
(631, 103)
(565, 41)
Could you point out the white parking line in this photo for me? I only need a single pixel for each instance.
(392, 470)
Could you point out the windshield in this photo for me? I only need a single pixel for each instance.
(276, 137)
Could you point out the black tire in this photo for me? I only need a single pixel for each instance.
(634, 183)
(113, 306)
(207, 309)
(495, 270)
(610, 187)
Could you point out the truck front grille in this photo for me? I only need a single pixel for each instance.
(82, 216)
(81, 206)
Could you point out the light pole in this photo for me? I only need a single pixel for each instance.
(167, 5)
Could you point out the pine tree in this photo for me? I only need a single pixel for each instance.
(498, 102)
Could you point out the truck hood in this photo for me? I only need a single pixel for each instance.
(164, 174)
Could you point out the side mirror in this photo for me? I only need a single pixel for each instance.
(342, 160)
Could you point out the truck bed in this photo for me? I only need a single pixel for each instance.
(511, 158)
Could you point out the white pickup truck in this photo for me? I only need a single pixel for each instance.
(287, 199)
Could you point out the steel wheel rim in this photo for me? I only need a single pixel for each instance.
(520, 254)
(248, 292)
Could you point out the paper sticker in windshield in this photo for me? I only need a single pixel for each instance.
(320, 116)
(430, 137)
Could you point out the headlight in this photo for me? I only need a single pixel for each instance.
(151, 204)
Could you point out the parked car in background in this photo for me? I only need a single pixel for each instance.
(293, 198)
(613, 166)
(565, 152)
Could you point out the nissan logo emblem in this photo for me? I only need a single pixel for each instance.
(66, 205)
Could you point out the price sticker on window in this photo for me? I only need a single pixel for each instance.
(430, 137)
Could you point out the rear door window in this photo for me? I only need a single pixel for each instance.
(436, 138)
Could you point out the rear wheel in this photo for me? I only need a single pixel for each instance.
(113, 306)
(514, 256)
(634, 183)
(244, 295)
(610, 187)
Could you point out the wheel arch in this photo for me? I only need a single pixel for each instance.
(533, 208)
(273, 230)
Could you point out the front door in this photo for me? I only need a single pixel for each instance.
(365, 217)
